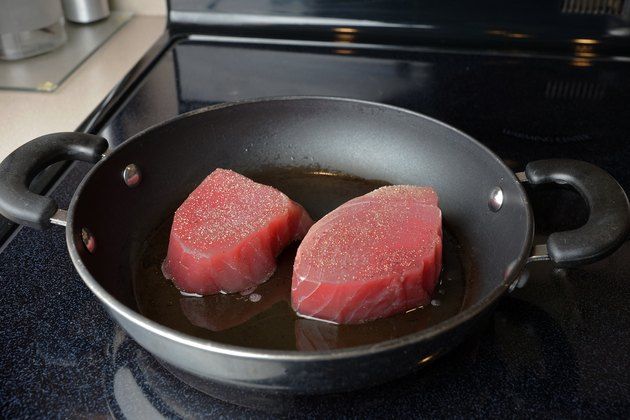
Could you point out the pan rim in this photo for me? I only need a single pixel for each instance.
(145, 323)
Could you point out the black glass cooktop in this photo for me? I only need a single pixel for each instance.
(557, 346)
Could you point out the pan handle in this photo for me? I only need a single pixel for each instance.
(17, 170)
(609, 212)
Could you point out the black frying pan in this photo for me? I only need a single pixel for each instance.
(131, 191)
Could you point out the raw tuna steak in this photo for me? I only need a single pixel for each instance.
(372, 257)
(227, 234)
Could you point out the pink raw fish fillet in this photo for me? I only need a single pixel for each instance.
(372, 257)
(227, 234)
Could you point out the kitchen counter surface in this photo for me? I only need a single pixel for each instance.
(26, 115)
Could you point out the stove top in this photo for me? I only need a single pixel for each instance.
(557, 346)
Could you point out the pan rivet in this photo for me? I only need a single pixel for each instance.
(132, 175)
(88, 240)
(496, 199)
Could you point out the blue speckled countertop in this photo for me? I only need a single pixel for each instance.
(558, 347)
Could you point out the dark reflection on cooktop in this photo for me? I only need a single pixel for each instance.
(524, 108)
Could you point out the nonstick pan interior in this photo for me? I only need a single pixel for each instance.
(263, 319)
(368, 141)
